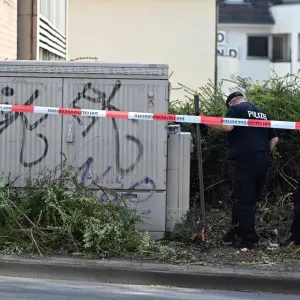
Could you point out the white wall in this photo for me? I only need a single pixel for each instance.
(227, 72)
(257, 69)
(287, 20)
(175, 32)
(280, 68)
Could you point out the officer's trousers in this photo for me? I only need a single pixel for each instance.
(249, 177)
(295, 228)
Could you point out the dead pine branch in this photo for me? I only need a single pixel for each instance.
(35, 243)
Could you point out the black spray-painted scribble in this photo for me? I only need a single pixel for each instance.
(7, 91)
(131, 195)
(10, 118)
(100, 97)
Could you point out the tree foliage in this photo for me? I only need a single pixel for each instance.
(279, 98)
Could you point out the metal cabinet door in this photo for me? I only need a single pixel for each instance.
(29, 142)
(117, 153)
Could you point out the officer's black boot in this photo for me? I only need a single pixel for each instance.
(231, 237)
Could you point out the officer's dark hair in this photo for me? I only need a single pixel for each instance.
(233, 95)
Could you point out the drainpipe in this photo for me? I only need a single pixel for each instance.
(216, 45)
(31, 33)
(27, 30)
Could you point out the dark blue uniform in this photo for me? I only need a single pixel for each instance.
(246, 140)
(249, 148)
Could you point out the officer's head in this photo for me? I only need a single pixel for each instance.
(235, 98)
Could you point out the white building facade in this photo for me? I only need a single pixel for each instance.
(263, 38)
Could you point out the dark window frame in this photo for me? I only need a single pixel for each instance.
(281, 49)
(258, 46)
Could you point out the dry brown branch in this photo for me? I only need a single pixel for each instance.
(35, 243)
(214, 184)
(286, 180)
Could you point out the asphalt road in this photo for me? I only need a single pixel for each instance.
(37, 289)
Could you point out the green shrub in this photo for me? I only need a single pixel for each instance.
(279, 97)
(53, 214)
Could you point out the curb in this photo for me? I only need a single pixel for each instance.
(151, 273)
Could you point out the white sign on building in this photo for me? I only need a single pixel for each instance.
(224, 49)
(221, 37)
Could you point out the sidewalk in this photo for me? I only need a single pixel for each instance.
(275, 279)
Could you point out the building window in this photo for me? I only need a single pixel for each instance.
(281, 48)
(47, 55)
(258, 46)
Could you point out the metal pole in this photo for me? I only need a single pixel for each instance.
(216, 45)
(200, 172)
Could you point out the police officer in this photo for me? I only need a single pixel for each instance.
(249, 148)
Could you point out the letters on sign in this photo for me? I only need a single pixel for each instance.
(228, 51)
(232, 51)
(223, 49)
(221, 37)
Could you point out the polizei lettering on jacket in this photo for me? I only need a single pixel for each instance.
(257, 115)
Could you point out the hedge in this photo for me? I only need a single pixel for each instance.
(279, 97)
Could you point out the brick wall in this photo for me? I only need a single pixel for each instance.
(8, 29)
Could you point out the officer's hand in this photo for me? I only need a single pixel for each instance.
(275, 154)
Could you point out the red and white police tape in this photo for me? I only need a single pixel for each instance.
(149, 116)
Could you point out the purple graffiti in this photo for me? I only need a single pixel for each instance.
(146, 180)
(106, 172)
(86, 170)
(86, 166)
